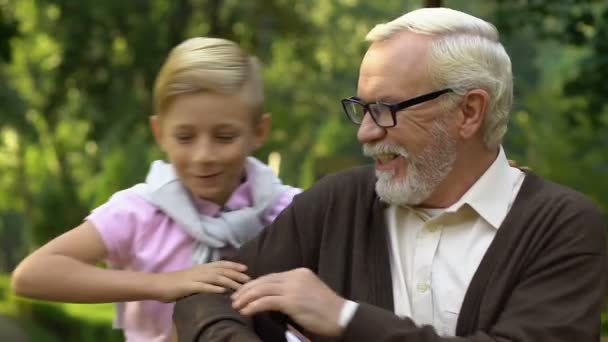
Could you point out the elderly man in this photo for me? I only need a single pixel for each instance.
(443, 238)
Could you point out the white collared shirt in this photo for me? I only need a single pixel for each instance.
(435, 252)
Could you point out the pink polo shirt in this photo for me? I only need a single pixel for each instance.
(140, 237)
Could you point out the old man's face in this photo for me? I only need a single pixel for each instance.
(415, 156)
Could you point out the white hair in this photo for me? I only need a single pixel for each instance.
(466, 54)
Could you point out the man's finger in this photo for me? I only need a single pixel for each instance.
(257, 292)
(272, 278)
(264, 304)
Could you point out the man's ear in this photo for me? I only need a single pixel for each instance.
(473, 108)
(155, 125)
(262, 130)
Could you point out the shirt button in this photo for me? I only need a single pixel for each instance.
(423, 287)
(434, 227)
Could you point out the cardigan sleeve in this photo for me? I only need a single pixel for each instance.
(558, 296)
(285, 244)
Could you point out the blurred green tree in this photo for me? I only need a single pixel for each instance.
(76, 79)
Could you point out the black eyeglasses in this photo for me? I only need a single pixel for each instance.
(383, 114)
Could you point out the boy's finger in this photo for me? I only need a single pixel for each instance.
(205, 287)
(227, 282)
(235, 275)
(231, 265)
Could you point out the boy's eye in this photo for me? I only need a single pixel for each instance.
(183, 138)
(226, 137)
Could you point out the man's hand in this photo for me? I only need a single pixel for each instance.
(213, 277)
(299, 294)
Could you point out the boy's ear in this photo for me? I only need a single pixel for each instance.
(156, 129)
(262, 130)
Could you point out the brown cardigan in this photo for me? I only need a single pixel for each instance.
(543, 278)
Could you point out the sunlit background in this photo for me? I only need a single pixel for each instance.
(76, 79)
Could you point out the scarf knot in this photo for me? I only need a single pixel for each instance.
(164, 190)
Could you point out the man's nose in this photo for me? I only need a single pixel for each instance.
(369, 131)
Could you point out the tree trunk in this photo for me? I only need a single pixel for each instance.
(432, 3)
(23, 188)
(179, 21)
(216, 28)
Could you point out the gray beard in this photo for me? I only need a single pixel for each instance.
(424, 174)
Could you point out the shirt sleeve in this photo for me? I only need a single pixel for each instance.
(346, 314)
(117, 222)
(282, 202)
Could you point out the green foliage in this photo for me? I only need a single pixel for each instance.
(76, 80)
(50, 322)
(66, 327)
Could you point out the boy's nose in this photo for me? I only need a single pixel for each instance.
(204, 152)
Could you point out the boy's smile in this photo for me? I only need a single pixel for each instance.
(207, 138)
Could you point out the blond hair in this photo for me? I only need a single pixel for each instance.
(209, 65)
(466, 54)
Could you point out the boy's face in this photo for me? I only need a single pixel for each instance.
(207, 138)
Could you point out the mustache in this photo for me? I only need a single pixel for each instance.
(372, 151)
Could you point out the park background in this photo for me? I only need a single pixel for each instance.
(75, 94)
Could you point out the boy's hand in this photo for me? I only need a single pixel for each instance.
(213, 277)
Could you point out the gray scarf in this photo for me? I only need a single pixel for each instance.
(164, 190)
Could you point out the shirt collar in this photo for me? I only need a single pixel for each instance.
(489, 195)
(240, 198)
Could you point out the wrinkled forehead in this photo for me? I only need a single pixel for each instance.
(395, 66)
